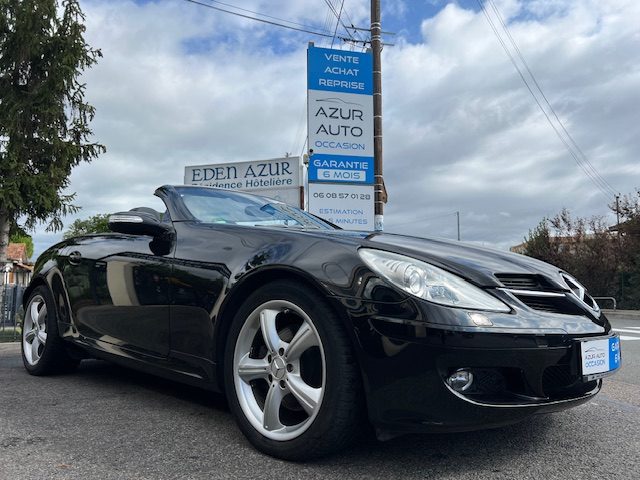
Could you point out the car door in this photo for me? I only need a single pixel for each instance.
(199, 278)
(118, 293)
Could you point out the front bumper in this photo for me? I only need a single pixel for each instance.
(405, 365)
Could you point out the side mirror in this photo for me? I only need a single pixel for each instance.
(137, 223)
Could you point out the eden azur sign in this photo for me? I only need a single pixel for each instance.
(278, 178)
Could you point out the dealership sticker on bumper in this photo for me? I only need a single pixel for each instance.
(600, 356)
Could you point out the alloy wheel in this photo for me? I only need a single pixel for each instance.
(34, 330)
(279, 370)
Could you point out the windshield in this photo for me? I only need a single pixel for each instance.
(210, 205)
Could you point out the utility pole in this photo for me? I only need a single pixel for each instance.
(376, 47)
(458, 219)
(618, 215)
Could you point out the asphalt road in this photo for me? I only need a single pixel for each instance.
(104, 422)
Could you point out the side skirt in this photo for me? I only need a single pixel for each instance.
(172, 368)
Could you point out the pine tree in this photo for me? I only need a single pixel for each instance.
(44, 120)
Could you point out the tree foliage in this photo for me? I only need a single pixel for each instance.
(629, 240)
(44, 120)
(538, 243)
(96, 224)
(606, 260)
(23, 237)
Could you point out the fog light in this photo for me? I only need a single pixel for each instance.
(460, 380)
(480, 319)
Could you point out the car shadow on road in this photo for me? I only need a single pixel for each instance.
(487, 451)
(493, 452)
(108, 373)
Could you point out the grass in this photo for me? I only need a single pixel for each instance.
(10, 334)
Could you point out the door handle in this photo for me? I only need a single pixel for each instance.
(75, 257)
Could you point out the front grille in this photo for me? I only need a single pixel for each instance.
(551, 304)
(538, 293)
(520, 282)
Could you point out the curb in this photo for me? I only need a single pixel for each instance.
(622, 314)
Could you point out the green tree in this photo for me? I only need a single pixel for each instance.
(96, 224)
(538, 243)
(44, 120)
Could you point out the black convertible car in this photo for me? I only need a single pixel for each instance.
(312, 331)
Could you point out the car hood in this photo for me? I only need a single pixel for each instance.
(475, 263)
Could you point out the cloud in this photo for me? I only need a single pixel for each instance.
(471, 137)
(181, 85)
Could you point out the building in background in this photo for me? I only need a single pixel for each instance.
(17, 270)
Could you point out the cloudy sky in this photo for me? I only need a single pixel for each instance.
(181, 84)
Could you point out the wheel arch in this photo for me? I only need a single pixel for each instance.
(253, 281)
(54, 283)
(36, 282)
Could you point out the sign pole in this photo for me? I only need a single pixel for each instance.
(376, 47)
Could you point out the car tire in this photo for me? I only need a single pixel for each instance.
(43, 351)
(301, 376)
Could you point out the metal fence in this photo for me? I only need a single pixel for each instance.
(606, 299)
(11, 312)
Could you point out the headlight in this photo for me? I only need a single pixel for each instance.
(428, 282)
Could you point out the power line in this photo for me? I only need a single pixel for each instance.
(593, 175)
(326, 26)
(269, 22)
(262, 14)
(335, 31)
(338, 16)
(603, 181)
(332, 8)
(346, 14)
(354, 41)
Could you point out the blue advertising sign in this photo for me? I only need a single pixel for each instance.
(340, 169)
(340, 116)
(339, 71)
(340, 128)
